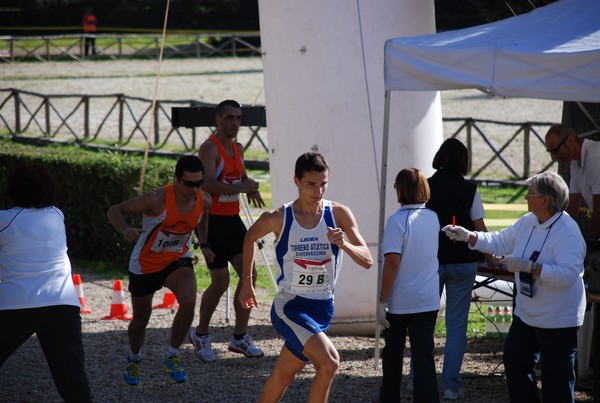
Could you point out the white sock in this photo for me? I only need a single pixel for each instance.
(134, 357)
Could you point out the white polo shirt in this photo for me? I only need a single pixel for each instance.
(412, 232)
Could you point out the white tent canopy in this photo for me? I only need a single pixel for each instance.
(552, 52)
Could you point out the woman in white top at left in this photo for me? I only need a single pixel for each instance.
(37, 294)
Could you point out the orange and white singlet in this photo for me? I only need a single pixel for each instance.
(165, 237)
(228, 170)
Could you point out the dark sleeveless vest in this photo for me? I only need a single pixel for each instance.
(452, 195)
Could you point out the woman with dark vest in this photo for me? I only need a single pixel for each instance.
(456, 201)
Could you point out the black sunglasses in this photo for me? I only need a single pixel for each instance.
(191, 184)
(555, 149)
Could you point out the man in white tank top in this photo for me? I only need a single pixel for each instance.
(312, 236)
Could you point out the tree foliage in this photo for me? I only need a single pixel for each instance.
(493, 10)
(183, 14)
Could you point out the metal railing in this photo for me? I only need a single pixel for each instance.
(502, 155)
(120, 122)
(119, 46)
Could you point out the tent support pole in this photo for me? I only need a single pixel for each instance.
(382, 191)
(589, 116)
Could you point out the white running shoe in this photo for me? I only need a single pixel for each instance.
(202, 345)
(245, 346)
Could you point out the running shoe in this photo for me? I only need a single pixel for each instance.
(245, 346)
(132, 373)
(450, 394)
(202, 345)
(173, 367)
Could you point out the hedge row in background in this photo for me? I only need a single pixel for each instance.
(88, 183)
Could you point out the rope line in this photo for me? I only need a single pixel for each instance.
(154, 97)
(362, 47)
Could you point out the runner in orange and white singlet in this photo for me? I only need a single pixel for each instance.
(165, 237)
(229, 169)
(222, 243)
(161, 258)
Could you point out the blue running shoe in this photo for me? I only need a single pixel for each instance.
(173, 367)
(132, 373)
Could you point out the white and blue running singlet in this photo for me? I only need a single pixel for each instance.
(308, 268)
(308, 263)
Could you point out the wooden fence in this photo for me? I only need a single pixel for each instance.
(510, 151)
(119, 46)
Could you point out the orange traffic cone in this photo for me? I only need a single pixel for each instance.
(79, 289)
(118, 308)
(169, 301)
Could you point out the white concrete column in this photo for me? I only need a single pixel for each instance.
(324, 91)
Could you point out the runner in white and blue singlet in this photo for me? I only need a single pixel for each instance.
(308, 267)
(312, 236)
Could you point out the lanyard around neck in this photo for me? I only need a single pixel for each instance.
(545, 238)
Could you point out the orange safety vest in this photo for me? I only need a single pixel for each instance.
(228, 169)
(89, 23)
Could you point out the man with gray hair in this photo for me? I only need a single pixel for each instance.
(584, 157)
(564, 145)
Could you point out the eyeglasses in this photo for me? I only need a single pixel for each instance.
(191, 184)
(530, 195)
(555, 149)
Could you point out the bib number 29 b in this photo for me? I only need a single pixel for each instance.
(311, 279)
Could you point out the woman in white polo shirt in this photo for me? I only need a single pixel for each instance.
(410, 289)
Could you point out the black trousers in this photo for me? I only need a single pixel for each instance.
(419, 327)
(90, 42)
(58, 328)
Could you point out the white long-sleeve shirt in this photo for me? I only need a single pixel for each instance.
(559, 298)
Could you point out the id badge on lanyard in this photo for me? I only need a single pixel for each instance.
(526, 280)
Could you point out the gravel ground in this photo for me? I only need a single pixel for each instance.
(25, 376)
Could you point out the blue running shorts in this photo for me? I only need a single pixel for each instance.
(296, 319)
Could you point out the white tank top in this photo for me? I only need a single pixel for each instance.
(308, 264)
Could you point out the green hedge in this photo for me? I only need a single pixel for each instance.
(88, 183)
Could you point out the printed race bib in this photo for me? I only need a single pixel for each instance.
(231, 197)
(311, 276)
(167, 241)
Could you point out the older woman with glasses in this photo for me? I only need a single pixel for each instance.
(545, 250)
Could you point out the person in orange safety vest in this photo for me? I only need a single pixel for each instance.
(89, 23)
